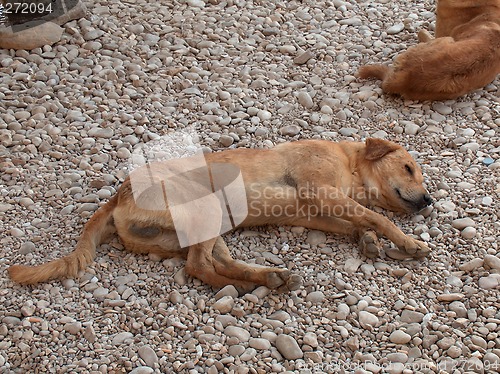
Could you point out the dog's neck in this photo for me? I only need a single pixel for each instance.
(361, 189)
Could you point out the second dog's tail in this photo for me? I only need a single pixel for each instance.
(373, 71)
(100, 226)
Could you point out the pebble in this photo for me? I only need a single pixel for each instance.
(399, 337)
(352, 265)
(462, 223)
(303, 57)
(305, 99)
(241, 334)
(229, 290)
(367, 320)
(226, 140)
(410, 316)
(315, 237)
(397, 28)
(315, 297)
(259, 343)
(469, 233)
(290, 130)
(490, 282)
(343, 311)
(148, 355)
(224, 305)
(121, 337)
(472, 264)
(492, 262)
(288, 347)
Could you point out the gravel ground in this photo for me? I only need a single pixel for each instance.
(244, 74)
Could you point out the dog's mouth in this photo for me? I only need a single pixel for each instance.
(415, 205)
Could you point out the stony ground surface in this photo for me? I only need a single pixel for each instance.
(245, 74)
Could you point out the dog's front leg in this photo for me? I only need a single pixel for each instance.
(332, 202)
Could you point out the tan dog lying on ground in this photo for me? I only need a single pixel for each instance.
(317, 184)
(465, 55)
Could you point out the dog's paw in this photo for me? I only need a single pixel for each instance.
(277, 278)
(369, 244)
(283, 281)
(414, 248)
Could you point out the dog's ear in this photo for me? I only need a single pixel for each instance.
(378, 148)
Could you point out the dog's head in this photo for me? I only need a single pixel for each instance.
(394, 178)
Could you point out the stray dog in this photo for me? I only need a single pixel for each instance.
(465, 55)
(317, 184)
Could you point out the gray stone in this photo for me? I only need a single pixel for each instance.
(148, 355)
(315, 237)
(288, 347)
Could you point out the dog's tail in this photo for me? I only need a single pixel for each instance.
(373, 71)
(97, 229)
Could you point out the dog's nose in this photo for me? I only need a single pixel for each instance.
(427, 199)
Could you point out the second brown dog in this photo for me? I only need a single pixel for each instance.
(465, 55)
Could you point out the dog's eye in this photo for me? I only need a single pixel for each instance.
(409, 169)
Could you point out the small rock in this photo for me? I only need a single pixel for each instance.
(290, 130)
(468, 233)
(288, 347)
(490, 282)
(343, 311)
(310, 338)
(462, 223)
(305, 99)
(352, 264)
(259, 343)
(315, 237)
(226, 140)
(492, 262)
(237, 332)
(89, 334)
(73, 327)
(397, 28)
(229, 290)
(142, 370)
(224, 304)
(410, 316)
(367, 320)
(315, 297)
(27, 247)
(472, 264)
(121, 337)
(148, 355)
(302, 58)
(399, 337)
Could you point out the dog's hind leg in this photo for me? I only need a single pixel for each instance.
(200, 264)
(270, 277)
